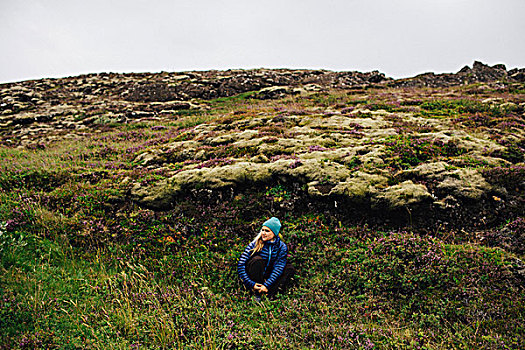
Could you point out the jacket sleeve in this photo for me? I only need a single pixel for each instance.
(241, 266)
(279, 265)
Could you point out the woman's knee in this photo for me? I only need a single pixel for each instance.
(256, 261)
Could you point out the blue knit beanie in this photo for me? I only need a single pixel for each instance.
(273, 224)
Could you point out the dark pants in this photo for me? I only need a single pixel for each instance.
(255, 269)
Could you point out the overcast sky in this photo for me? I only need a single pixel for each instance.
(57, 38)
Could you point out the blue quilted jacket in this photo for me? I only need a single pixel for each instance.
(273, 252)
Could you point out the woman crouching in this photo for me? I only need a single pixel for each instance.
(262, 266)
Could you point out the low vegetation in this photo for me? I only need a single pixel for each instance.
(85, 265)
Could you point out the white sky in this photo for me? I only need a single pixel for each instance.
(56, 38)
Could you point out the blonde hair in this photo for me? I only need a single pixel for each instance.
(258, 243)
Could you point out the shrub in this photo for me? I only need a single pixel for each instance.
(509, 177)
(406, 151)
(511, 237)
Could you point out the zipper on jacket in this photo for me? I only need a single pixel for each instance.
(269, 258)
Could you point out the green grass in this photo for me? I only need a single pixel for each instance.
(356, 287)
(406, 151)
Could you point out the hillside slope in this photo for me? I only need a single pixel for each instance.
(126, 200)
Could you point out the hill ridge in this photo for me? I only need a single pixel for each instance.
(368, 142)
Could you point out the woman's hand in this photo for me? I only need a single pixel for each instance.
(261, 288)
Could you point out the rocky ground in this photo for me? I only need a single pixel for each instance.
(435, 148)
(48, 109)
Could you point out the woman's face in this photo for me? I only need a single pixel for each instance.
(267, 234)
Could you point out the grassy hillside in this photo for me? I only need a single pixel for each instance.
(402, 209)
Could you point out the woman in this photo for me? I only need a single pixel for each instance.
(263, 267)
